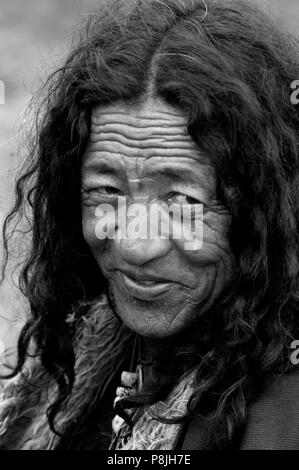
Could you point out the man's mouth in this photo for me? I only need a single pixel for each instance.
(142, 287)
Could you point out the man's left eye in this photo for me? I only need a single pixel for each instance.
(182, 198)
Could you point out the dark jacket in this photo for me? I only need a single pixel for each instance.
(273, 421)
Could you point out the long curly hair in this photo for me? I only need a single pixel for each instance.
(230, 67)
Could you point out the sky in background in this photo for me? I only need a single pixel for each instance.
(33, 36)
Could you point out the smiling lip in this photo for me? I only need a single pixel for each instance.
(143, 288)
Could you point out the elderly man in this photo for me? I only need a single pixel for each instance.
(180, 110)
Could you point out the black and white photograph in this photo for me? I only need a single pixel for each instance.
(149, 212)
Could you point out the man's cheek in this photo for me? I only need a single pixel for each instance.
(216, 231)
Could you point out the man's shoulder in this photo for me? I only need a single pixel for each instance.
(273, 419)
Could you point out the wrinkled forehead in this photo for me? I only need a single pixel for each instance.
(152, 118)
(138, 138)
(143, 131)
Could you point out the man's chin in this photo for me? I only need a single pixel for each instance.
(151, 319)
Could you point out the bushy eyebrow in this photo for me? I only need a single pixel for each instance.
(103, 167)
(176, 174)
(173, 173)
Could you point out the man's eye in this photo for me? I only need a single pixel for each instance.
(104, 191)
(111, 190)
(100, 193)
(182, 198)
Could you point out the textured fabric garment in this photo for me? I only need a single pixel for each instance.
(149, 433)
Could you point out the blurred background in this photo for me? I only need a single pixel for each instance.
(34, 35)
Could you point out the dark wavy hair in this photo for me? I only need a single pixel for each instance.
(230, 67)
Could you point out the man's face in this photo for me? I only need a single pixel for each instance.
(144, 155)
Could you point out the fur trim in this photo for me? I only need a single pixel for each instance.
(24, 401)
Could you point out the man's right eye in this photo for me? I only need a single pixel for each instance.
(111, 190)
(97, 194)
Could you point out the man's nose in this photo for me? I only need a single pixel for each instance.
(141, 251)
